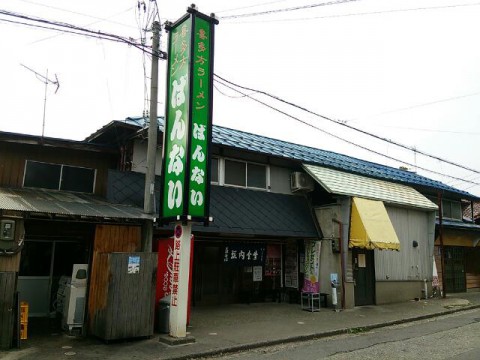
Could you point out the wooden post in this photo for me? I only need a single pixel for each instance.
(7, 308)
(9, 267)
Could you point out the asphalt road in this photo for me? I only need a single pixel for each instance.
(455, 336)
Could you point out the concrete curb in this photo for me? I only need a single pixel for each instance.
(324, 334)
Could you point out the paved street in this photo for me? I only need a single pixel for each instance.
(268, 331)
(448, 337)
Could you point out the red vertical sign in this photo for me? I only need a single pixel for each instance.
(165, 274)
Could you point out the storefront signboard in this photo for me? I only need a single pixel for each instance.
(188, 119)
(244, 254)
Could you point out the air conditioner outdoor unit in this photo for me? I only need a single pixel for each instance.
(74, 302)
(301, 182)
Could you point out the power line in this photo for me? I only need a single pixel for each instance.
(428, 130)
(421, 105)
(230, 96)
(344, 124)
(249, 6)
(16, 22)
(71, 29)
(295, 8)
(78, 13)
(143, 35)
(338, 137)
(89, 24)
(359, 14)
(158, 11)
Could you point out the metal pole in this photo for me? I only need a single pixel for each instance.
(44, 104)
(440, 236)
(342, 259)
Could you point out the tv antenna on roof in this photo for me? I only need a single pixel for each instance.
(46, 81)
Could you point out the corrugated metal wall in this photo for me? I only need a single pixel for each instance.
(410, 263)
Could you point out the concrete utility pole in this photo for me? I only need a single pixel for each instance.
(149, 196)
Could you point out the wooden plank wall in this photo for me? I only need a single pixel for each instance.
(10, 263)
(472, 267)
(130, 298)
(473, 281)
(14, 156)
(108, 238)
(7, 311)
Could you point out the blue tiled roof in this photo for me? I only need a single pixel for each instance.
(268, 146)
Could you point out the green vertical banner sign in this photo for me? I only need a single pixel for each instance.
(188, 119)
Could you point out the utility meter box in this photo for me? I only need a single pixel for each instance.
(335, 245)
(7, 234)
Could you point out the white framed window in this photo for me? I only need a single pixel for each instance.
(59, 177)
(244, 174)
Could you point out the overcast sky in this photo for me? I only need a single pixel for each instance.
(404, 70)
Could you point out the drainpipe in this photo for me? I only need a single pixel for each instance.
(471, 209)
(342, 259)
(440, 236)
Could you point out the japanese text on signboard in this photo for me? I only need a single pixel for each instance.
(175, 271)
(187, 133)
(200, 117)
(244, 254)
(177, 120)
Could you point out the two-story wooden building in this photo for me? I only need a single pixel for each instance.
(53, 204)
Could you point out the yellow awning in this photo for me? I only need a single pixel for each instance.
(370, 226)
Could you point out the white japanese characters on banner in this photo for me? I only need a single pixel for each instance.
(244, 254)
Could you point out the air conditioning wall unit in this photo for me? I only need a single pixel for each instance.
(301, 182)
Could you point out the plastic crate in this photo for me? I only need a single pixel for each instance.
(24, 312)
(23, 331)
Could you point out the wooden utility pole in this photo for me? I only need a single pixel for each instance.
(149, 195)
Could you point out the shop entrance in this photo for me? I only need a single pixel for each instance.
(214, 283)
(43, 263)
(236, 272)
(363, 276)
(455, 279)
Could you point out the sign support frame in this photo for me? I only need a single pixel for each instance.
(186, 124)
